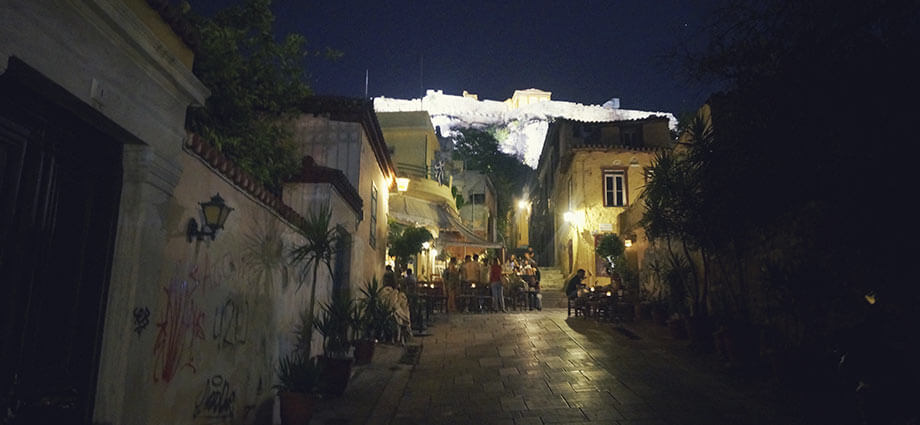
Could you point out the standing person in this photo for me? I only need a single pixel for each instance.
(476, 270)
(467, 272)
(411, 280)
(538, 296)
(531, 281)
(498, 293)
(452, 283)
(485, 270)
(389, 278)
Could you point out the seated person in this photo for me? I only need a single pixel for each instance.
(575, 283)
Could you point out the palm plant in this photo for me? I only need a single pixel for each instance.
(335, 324)
(321, 240)
(375, 317)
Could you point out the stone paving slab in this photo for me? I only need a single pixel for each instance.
(544, 368)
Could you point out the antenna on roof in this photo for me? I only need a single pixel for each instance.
(421, 86)
(366, 73)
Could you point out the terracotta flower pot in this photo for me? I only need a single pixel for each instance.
(296, 408)
(364, 351)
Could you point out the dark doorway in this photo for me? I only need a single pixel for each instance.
(60, 181)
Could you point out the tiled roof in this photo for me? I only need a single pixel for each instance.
(223, 165)
(311, 172)
(607, 123)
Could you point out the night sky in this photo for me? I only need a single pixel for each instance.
(581, 51)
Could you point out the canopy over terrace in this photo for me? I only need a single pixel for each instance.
(451, 235)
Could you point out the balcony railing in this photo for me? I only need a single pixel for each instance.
(423, 171)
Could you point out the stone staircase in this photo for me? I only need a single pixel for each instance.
(551, 282)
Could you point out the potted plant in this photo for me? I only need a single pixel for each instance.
(334, 324)
(297, 377)
(372, 319)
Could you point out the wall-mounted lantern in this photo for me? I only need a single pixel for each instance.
(569, 216)
(215, 214)
(402, 184)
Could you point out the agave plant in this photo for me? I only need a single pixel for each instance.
(297, 373)
(335, 323)
(377, 317)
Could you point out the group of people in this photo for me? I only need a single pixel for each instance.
(473, 272)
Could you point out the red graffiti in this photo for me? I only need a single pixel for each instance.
(180, 326)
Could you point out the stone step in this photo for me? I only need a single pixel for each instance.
(553, 298)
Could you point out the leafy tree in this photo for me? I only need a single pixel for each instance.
(256, 83)
(405, 241)
(803, 174)
(479, 150)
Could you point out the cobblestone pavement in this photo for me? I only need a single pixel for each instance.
(544, 368)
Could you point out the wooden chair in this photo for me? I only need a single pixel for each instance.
(576, 306)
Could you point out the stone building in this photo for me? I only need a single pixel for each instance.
(588, 175)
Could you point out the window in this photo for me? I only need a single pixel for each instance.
(614, 188)
(373, 207)
(478, 198)
(631, 136)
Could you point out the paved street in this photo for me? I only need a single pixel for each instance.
(542, 368)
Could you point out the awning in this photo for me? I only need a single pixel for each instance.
(451, 231)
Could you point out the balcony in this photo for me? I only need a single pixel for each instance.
(424, 184)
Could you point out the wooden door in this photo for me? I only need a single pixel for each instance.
(60, 182)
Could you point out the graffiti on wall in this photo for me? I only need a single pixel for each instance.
(213, 273)
(230, 325)
(177, 331)
(216, 399)
(141, 319)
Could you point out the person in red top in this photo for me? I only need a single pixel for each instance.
(498, 293)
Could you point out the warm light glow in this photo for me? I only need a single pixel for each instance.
(522, 204)
(472, 285)
(627, 243)
(434, 252)
(402, 184)
(569, 216)
(592, 289)
(609, 293)
(426, 245)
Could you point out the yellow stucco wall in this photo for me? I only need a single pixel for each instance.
(411, 135)
(368, 260)
(580, 190)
